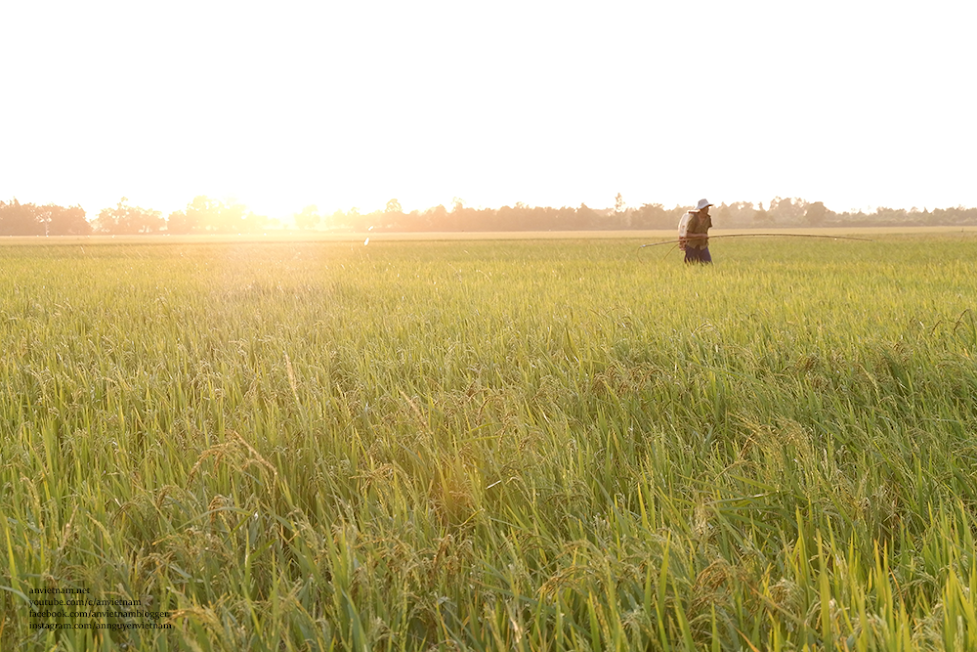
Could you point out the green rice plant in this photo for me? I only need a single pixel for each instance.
(491, 445)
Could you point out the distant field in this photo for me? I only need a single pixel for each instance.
(324, 236)
(489, 444)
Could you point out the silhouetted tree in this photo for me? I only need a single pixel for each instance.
(207, 215)
(308, 217)
(721, 215)
(786, 211)
(890, 216)
(59, 220)
(232, 217)
(652, 216)
(436, 219)
(252, 222)
(204, 213)
(179, 223)
(740, 213)
(128, 220)
(50, 219)
(201, 214)
(815, 214)
(762, 217)
(19, 219)
(587, 218)
(619, 203)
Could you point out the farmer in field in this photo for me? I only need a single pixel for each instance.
(694, 233)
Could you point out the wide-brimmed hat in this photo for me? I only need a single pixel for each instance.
(702, 204)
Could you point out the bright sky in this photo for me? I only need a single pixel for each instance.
(857, 103)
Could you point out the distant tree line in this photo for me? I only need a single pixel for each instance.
(780, 212)
(202, 215)
(206, 215)
(28, 219)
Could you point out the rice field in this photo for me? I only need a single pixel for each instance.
(490, 445)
